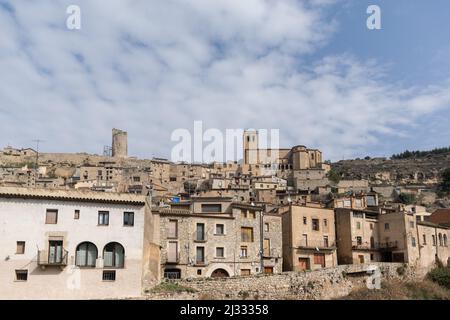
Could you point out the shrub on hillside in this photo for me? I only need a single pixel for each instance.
(440, 275)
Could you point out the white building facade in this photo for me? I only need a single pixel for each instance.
(71, 244)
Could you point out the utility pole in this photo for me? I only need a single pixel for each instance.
(37, 159)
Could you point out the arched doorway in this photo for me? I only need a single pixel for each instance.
(219, 273)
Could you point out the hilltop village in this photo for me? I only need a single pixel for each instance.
(112, 226)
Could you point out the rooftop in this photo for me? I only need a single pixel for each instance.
(71, 195)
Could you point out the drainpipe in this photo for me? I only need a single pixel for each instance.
(261, 240)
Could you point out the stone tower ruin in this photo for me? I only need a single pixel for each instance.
(119, 143)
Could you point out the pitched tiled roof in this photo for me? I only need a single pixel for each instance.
(440, 216)
(71, 195)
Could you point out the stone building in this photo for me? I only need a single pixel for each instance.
(119, 143)
(309, 240)
(216, 237)
(388, 236)
(59, 244)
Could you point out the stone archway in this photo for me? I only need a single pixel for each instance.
(228, 271)
(220, 273)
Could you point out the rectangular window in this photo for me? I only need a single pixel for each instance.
(220, 229)
(411, 224)
(51, 216)
(20, 248)
(325, 242)
(172, 252)
(315, 224)
(246, 234)
(220, 252)
(128, 219)
(359, 241)
(358, 225)
(266, 227)
(200, 232)
(305, 221)
(109, 275)
(266, 248)
(21, 275)
(304, 240)
(245, 272)
(173, 229)
(244, 252)
(386, 226)
(211, 208)
(371, 226)
(103, 218)
(325, 223)
(200, 256)
(76, 214)
(413, 241)
(424, 239)
(433, 238)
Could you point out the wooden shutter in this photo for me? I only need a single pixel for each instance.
(51, 217)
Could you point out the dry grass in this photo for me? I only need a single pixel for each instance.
(397, 290)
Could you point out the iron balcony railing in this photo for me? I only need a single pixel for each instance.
(319, 244)
(374, 245)
(44, 259)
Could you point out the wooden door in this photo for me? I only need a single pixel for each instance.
(303, 264)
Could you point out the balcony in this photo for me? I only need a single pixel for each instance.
(200, 263)
(317, 244)
(44, 259)
(367, 246)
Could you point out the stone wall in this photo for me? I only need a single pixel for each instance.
(321, 284)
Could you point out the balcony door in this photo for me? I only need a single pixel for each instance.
(55, 252)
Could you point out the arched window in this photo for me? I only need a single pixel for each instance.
(445, 240)
(114, 255)
(440, 239)
(86, 255)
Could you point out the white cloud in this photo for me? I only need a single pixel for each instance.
(150, 67)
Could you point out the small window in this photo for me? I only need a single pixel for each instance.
(266, 227)
(371, 226)
(220, 252)
(245, 272)
(411, 224)
(315, 224)
(305, 220)
(220, 229)
(128, 219)
(246, 234)
(424, 239)
(21, 275)
(359, 241)
(433, 238)
(211, 208)
(386, 226)
(51, 216)
(413, 241)
(109, 275)
(325, 223)
(76, 214)
(20, 248)
(358, 225)
(199, 272)
(244, 251)
(103, 218)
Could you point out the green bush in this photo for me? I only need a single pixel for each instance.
(441, 276)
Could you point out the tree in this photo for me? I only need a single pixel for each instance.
(334, 176)
(407, 198)
(445, 184)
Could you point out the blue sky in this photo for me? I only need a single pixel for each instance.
(309, 68)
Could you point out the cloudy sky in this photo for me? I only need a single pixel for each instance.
(309, 68)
